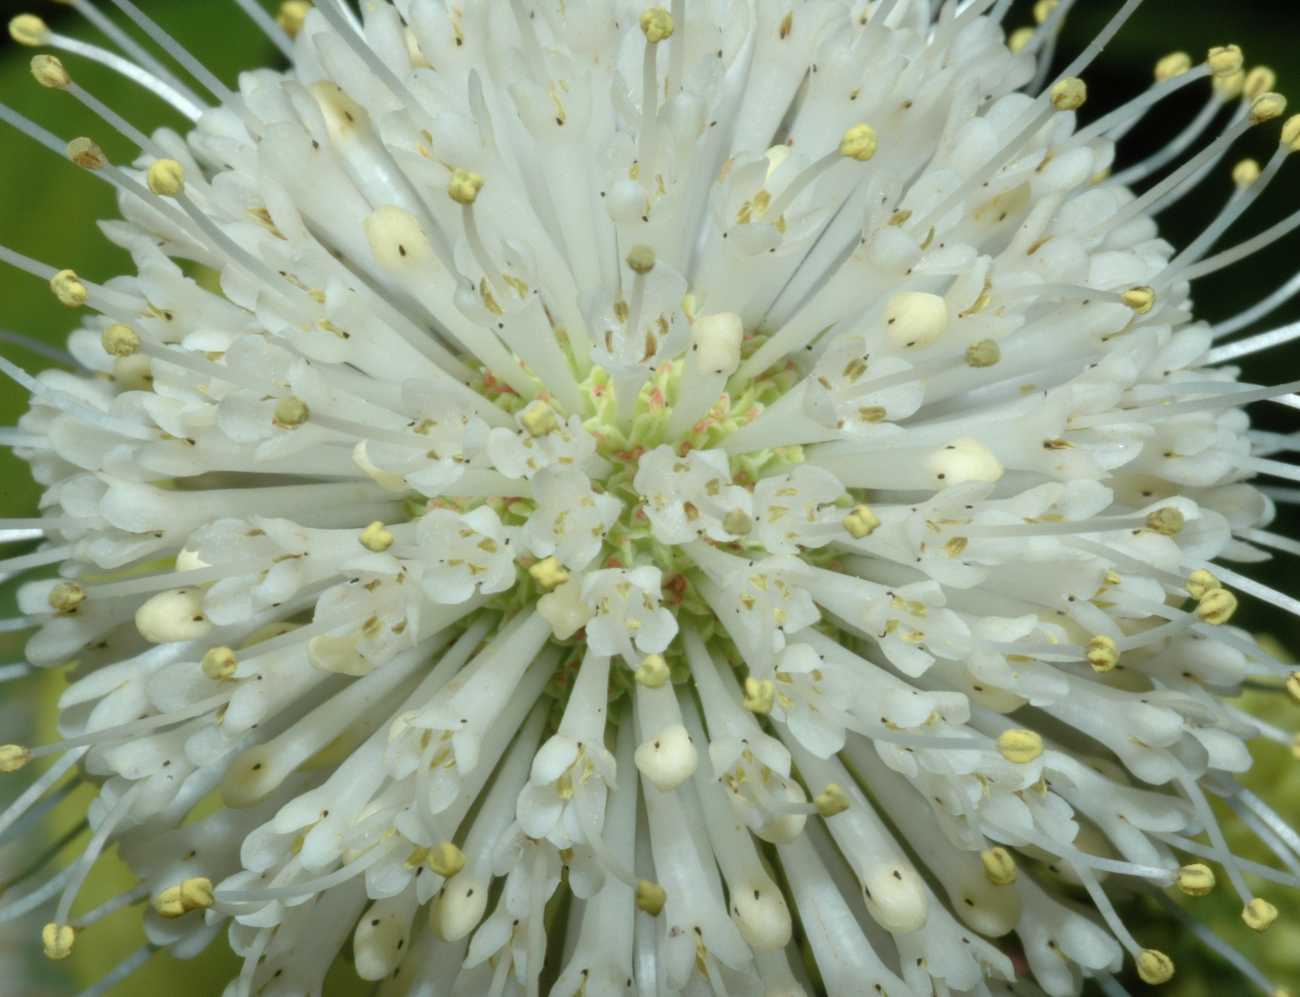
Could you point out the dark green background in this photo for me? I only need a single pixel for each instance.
(48, 209)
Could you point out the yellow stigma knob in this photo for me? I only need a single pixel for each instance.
(1216, 606)
(832, 800)
(1246, 172)
(1173, 65)
(1196, 880)
(166, 177)
(446, 859)
(1141, 299)
(1069, 94)
(219, 663)
(1291, 133)
(657, 25)
(57, 940)
(1259, 914)
(1020, 39)
(290, 412)
(70, 291)
(291, 16)
(650, 897)
(1201, 581)
(1154, 967)
(548, 573)
(859, 143)
(464, 186)
(120, 341)
(376, 538)
(999, 866)
(87, 154)
(1020, 746)
(1224, 60)
(861, 522)
(66, 597)
(1103, 653)
(1259, 80)
(1266, 107)
(653, 672)
(49, 72)
(1167, 521)
(29, 30)
(13, 757)
(641, 259)
(985, 353)
(760, 695)
(538, 418)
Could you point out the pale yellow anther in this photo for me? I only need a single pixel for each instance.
(641, 259)
(999, 866)
(166, 177)
(168, 903)
(66, 597)
(657, 25)
(219, 663)
(290, 412)
(1259, 914)
(738, 523)
(87, 154)
(120, 340)
(1020, 39)
(445, 859)
(1103, 653)
(1291, 133)
(1154, 967)
(985, 353)
(1141, 298)
(376, 538)
(464, 186)
(1196, 880)
(49, 72)
(196, 893)
(70, 291)
(760, 695)
(1259, 80)
(1201, 581)
(1231, 86)
(538, 418)
(57, 940)
(832, 800)
(653, 672)
(861, 522)
(859, 143)
(1267, 107)
(1020, 746)
(1069, 94)
(29, 30)
(650, 897)
(1295, 747)
(1043, 10)
(1225, 60)
(1293, 687)
(1245, 173)
(1166, 520)
(13, 757)
(1216, 606)
(549, 573)
(1173, 65)
(291, 16)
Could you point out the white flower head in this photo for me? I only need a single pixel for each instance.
(699, 498)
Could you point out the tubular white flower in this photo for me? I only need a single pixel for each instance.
(613, 437)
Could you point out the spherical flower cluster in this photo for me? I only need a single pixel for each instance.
(723, 498)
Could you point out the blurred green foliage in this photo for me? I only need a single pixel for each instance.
(48, 209)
